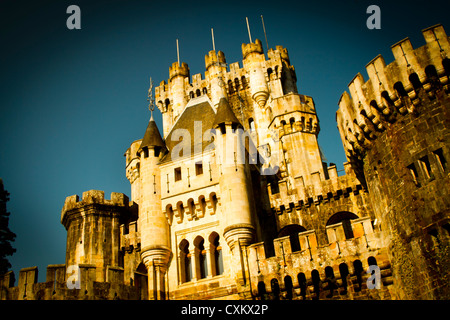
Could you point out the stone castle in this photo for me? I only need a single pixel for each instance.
(235, 200)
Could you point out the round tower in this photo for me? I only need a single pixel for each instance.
(93, 230)
(153, 225)
(288, 77)
(254, 64)
(177, 80)
(235, 181)
(216, 68)
(132, 170)
(395, 130)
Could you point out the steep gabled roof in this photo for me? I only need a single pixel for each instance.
(195, 119)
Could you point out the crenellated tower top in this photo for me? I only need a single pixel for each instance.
(394, 90)
(176, 70)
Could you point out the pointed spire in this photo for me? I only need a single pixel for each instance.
(152, 137)
(225, 114)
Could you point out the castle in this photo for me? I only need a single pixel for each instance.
(235, 201)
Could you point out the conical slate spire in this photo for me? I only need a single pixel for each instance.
(152, 137)
(225, 114)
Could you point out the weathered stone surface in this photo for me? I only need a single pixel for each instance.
(201, 227)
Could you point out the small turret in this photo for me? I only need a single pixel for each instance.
(216, 68)
(254, 64)
(153, 226)
(177, 77)
(235, 182)
(92, 226)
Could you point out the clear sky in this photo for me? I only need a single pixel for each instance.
(72, 101)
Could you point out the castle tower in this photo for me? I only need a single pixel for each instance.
(93, 230)
(152, 223)
(395, 130)
(254, 59)
(171, 98)
(178, 75)
(235, 183)
(132, 170)
(216, 68)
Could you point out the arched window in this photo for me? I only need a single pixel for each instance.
(387, 98)
(414, 79)
(275, 289)
(343, 270)
(204, 90)
(185, 261)
(262, 290)
(289, 286)
(213, 199)
(244, 82)
(269, 72)
(167, 103)
(344, 217)
(398, 86)
(251, 124)
(198, 93)
(292, 231)
(169, 212)
(371, 261)
(331, 280)
(202, 202)
(191, 94)
(358, 267)
(316, 282)
(216, 254)
(433, 77)
(302, 284)
(191, 206)
(236, 84)
(292, 122)
(230, 87)
(180, 209)
(200, 256)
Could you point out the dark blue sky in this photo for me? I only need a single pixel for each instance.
(73, 100)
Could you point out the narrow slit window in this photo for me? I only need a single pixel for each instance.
(439, 154)
(425, 164)
(413, 171)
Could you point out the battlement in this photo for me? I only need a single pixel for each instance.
(213, 58)
(234, 78)
(248, 48)
(284, 53)
(394, 90)
(300, 257)
(322, 189)
(130, 237)
(93, 197)
(67, 284)
(176, 70)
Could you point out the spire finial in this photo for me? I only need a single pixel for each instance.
(150, 99)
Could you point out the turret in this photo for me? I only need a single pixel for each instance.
(152, 223)
(254, 62)
(132, 170)
(395, 131)
(177, 80)
(93, 232)
(235, 182)
(216, 68)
